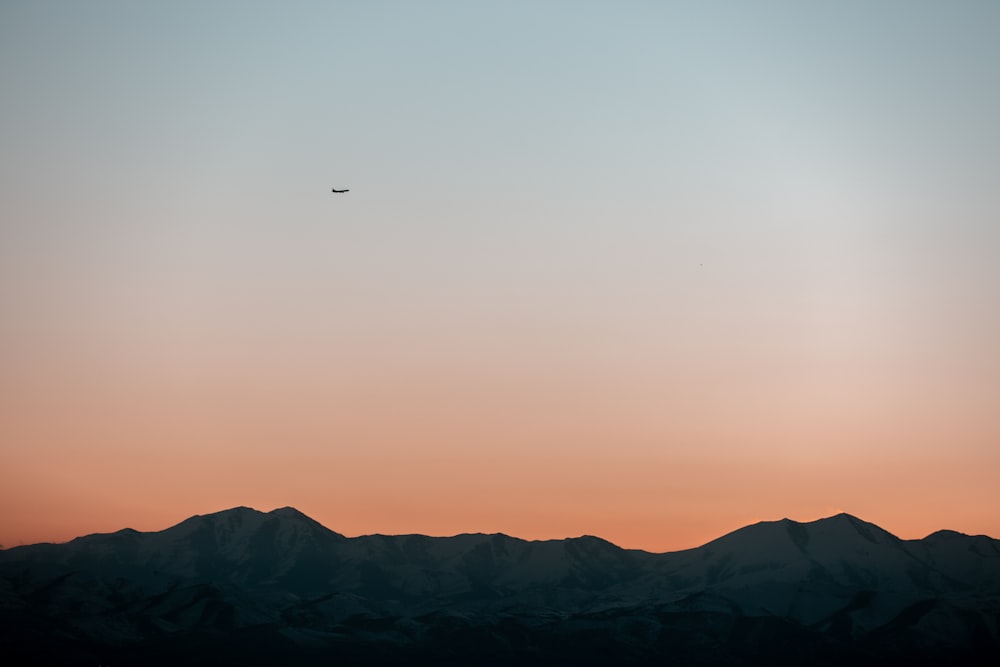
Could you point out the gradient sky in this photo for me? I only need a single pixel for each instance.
(645, 270)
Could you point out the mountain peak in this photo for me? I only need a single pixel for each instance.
(853, 525)
(945, 534)
(774, 539)
(240, 511)
(593, 540)
(244, 511)
(840, 517)
(289, 512)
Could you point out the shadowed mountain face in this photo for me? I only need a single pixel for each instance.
(245, 587)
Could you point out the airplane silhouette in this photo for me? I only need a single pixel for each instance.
(339, 191)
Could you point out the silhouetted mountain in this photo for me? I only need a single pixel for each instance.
(246, 587)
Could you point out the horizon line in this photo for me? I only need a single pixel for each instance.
(500, 533)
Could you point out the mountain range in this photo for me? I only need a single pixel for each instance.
(244, 587)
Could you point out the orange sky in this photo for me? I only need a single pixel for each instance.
(650, 274)
(565, 443)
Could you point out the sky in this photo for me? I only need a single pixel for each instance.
(645, 270)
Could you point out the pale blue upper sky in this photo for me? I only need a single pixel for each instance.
(853, 144)
(569, 117)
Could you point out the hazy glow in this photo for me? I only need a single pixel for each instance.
(638, 271)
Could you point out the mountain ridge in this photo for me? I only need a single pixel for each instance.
(769, 592)
(289, 511)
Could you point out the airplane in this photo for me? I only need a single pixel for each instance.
(339, 191)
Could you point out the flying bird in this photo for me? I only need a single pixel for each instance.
(339, 191)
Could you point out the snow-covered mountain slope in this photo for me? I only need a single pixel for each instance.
(837, 582)
(240, 546)
(840, 571)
